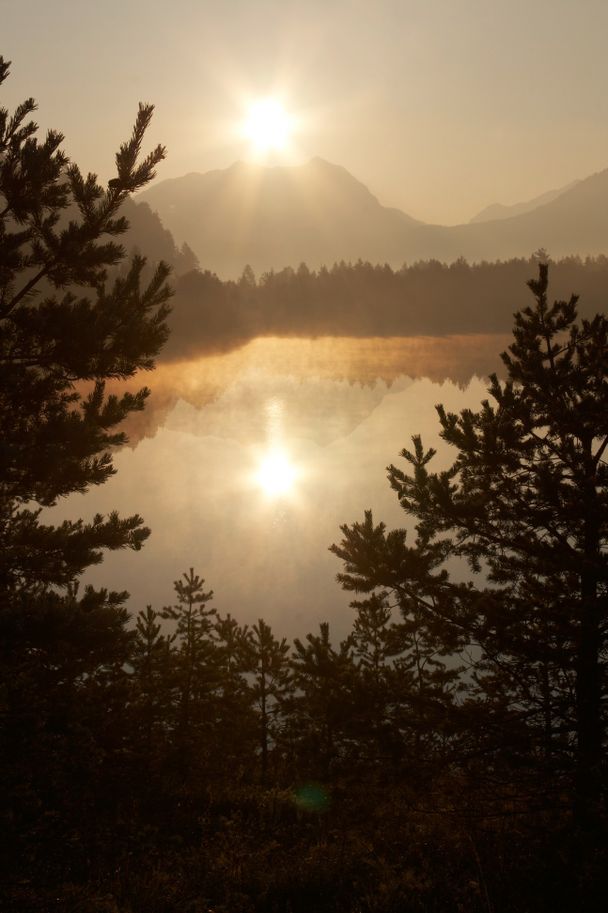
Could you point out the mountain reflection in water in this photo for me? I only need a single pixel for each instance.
(286, 363)
(340, 409)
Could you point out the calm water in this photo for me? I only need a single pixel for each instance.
(339, 411)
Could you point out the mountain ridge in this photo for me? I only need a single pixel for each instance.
(505, 211)
(318, 213)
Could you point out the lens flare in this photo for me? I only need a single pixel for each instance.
(311, 797)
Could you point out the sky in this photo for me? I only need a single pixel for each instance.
(440, 107)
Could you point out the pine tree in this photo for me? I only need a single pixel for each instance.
(322, 705)
(405, 686)
(268, 662)
(150, 660)
(374, 647)
(69, 321)
(195, 665)
(525, 503)
(60, 342)
(235, 724)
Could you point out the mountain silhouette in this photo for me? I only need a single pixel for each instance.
(318, 213)
(500, 211)
(271, 217)
(147, 235)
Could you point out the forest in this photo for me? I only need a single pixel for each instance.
(363, 299)
(447, 755)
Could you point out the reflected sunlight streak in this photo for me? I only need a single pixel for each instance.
(276, 475)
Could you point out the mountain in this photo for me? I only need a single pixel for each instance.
(500, 211)
(575, 222)
(146, 234)
(320, 214)
(271, 217)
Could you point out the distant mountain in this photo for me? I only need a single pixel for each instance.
(575, 222)
(499, 211)
(148, 236)
(318, 213)
(277, 216)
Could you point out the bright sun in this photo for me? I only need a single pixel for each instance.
(268, 126)
(276, 475)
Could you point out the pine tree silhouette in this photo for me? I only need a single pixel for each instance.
(525, 503)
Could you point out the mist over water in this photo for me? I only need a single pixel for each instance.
(299, 368)
(341, 410)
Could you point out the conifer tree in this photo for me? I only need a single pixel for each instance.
(195, 662)
(65, 329)
(372, 635)
(69, 321)
(405, 687)
(323, 702)
(525, 503)
(150, 659)
(373, 648)
(268, 661)
(234, 735)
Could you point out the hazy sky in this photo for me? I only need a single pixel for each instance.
(439, 106)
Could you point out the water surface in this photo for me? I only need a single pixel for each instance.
(341, 410)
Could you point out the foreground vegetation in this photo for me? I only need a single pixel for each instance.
(447, 756)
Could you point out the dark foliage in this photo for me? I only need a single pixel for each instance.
(69, 321)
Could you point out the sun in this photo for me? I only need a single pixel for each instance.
(276, 474)
(268, 126)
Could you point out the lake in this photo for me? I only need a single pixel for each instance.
(337, 410)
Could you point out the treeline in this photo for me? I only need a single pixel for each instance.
(362, 299)
(188, 762)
